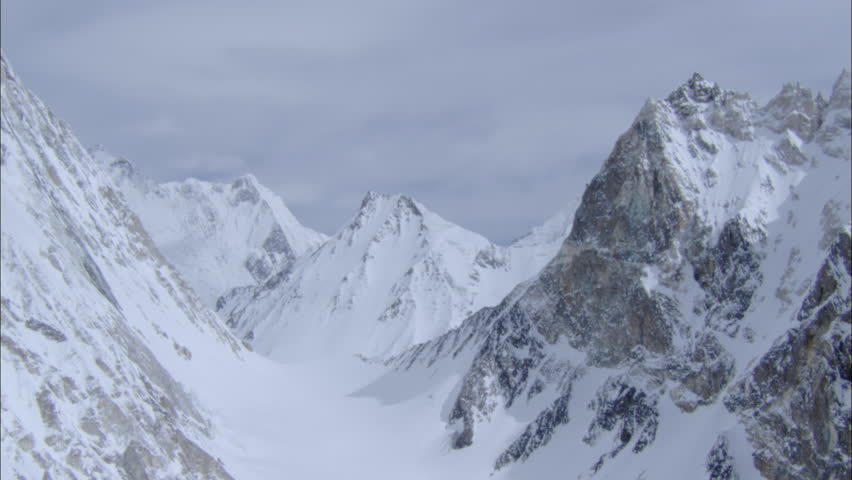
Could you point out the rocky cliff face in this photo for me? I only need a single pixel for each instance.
(218, 236)
(695, 253)
(98, 331)
(795, 402)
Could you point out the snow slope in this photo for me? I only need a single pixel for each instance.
(218, 236)
(99, 333)
(113, 368)
(396, 275)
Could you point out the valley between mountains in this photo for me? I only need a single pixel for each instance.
(688, 315)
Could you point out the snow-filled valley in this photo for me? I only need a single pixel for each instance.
(688, 318)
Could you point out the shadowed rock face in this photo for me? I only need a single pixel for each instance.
(720, 463)
(539, 432)
(622, 406)
(729, 272)
(635, 206)
(602, 306)
(799, 390)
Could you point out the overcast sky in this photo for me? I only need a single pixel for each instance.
(494, 114)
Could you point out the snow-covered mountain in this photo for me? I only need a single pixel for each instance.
(218, 236)
(396, 275)
(99, 333)
(696, 322)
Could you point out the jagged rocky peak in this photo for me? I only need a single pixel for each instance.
(834, 133)
(635, 205)
(245, 189)
(696, 89)
(666, 274)
(841, 93)
(795, 108)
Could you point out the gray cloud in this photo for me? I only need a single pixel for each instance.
(493, 114)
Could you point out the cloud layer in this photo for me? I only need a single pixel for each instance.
(492, 113)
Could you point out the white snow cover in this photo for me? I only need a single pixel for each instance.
(108, 359)
(396, 275)
(218, 236)
(98, 331)
(96, 318)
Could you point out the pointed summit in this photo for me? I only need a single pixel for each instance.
(6, 68)
(795, 108)
(696, 89)
(395, 203)
(407, 204)
(369, 199)
(841, 93)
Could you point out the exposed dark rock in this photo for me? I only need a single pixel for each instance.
(259, 267)
(729, 273)
(634, 207)
(539, 432)
(245, 190)
(623, 406)
(135, 460)
(710, 367)
(599, 305)
(49, 332)
(97, 279)
(799, 390)
(720, 463)
(496, 369)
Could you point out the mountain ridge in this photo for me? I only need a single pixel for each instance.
(659, 297)
(220, 236)
(395, 260)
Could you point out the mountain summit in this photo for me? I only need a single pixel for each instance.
(703, 293)
(397, 274)
(219, 236)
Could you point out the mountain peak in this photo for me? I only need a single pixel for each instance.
(245, 188)
(406, 203)
(696, 89)
(795, 108)
(6, 67)
(119, 167)
(372, 200)
(841, 93)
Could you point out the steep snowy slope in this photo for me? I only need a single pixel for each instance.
(396, 275)
(218, 236)
(695, 324)
(111, 368)
(98, 331)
